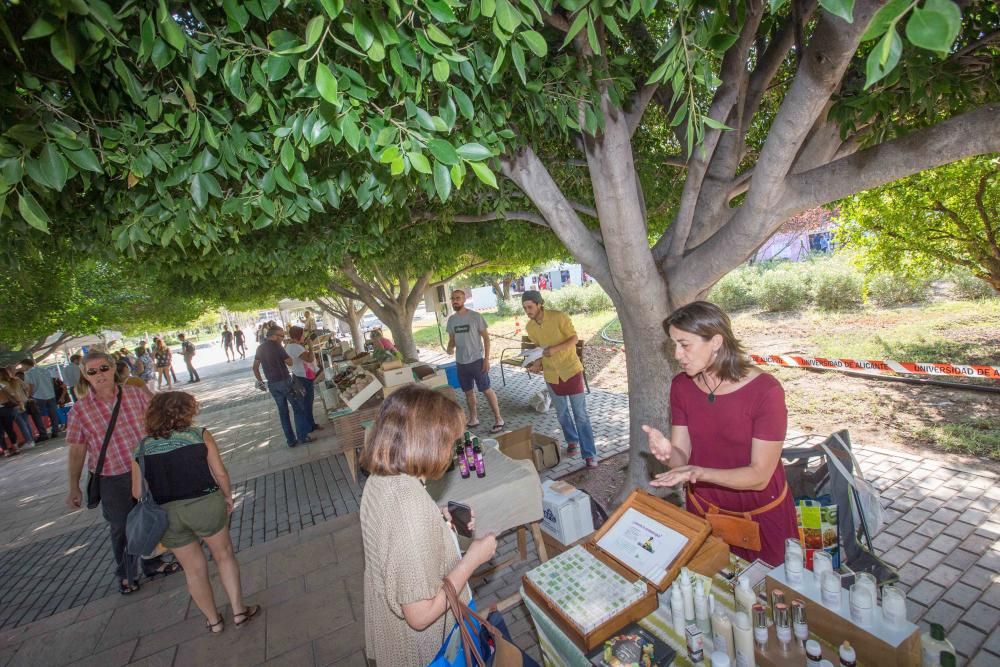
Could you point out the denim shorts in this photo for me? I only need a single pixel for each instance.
(470, 375)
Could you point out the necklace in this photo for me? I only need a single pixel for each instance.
(711, 390)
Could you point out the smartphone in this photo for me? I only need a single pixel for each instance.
(461, 517)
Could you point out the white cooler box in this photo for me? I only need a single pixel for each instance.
(565, 512)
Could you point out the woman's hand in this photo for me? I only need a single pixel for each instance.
(229, 504)
(472, 521)
(659, 444)
(482, 549)
(679, 475)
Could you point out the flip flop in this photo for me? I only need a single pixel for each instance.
(165, 570)
(472, 426)
(498, 427)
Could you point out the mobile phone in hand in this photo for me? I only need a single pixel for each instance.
(461, 517)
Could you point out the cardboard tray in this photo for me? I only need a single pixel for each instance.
(694, 528)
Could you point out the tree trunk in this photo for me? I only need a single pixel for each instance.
(497, 290)
(357, 338)
(401, 327)
(507, 280)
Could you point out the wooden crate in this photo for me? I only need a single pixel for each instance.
(694, 528)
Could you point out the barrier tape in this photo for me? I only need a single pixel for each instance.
(901, 367)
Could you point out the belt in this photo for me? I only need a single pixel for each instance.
(697, 503)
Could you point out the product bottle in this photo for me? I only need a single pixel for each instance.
(687, 592)
(701, 607)
(760, 626)
(720, 659)
(745, 597)
(947, 659)
(800, 626)
(470, 457)
(695, 644)
(677, 609)
(722, 632)
(782, 625)
(743, 640)
(814, 653)
(777, 597)
(477, 453)
(933, 643)
(463, 465)
(848, 658)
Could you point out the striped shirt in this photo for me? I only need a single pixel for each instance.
(88, 422)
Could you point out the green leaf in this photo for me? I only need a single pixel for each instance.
(314, 30)
(169, 29)
(935, 26)
(884, 18)
(517, 55)
(332, 7)
(326, 84)
(464, 103)
(595, 43)
(841, 8)
(576, 26)
(484, 174)
(442, 181)
(508, 17)
(535, 42)
(32, 213)
(474, 152)
(714, 124)
(236, 12)
(85, 159)
(488, 8)
(440, 10)
(199, 190)
(441, 70)
(389, 154)
(352, 134)
(435, 35)
(54, 166)
(498, 62)
(443, 151)
(147, 33)
(458, 172)
(62, 49)
(419, 162)
(288, 155)
(776, 5)
(43, 27)
(883, 57)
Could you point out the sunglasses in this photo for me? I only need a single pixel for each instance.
(104, 368)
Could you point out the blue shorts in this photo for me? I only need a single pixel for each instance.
(470, 375)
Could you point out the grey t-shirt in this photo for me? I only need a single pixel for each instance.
(467, 329)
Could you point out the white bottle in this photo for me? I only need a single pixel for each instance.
(720, 659)
(677, 610)
(687, 593)
(743, 640)
(814, 653)
(722, 631)
(932, 643)
(745, 597)
(848, 657)
(701, 607)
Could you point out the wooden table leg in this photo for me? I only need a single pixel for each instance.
(536, 534)
(350, 456)
(522, 542)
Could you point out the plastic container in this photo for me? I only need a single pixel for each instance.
(451, 370)
(932, 644)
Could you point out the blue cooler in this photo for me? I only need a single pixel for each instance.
(451, 370)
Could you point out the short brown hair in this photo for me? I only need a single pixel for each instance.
(414, 434)
(295, 332)
(706, 320)
(170, 411)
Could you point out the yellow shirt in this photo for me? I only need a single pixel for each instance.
(554, 329)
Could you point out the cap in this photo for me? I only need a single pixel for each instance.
(532, 295)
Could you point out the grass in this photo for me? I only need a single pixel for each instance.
(978, 437)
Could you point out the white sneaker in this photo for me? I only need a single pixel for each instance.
(29, 445)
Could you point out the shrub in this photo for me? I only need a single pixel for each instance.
(570, 299)
(890, 289)
(596, 300)
(967, 286)
(735, 291)
(509, 307)
(836, 287)
(780, 290)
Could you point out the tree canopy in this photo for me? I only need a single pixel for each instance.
(937, 219)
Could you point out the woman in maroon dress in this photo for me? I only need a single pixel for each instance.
(728, 422)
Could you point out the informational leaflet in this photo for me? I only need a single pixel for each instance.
(642, 543)
(530, 356)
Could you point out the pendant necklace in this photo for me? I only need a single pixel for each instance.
(711, 390)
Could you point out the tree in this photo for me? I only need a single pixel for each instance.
(347, 310)
(267, 118)
(937, 219)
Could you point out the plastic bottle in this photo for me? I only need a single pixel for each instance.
(720, 659)
(782, 625)
(477, 454)
(687, 593)
(948, 659)
(862, 605)
(760, 626)
(830, 584)
(677, 610)
(814, 653)
(463, 464)
(743, 640)
(701, 607)
(793, 561)
(893, 606)
(722, 631)
(745, 597)
(932, 644)
(848, 658)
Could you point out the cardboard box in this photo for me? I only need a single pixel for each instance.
(391, 364)
(395, 376)
(565, 511)
(694, 528)
(429, 376)
(522, 444)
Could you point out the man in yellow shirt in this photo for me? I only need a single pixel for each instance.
(553, 331)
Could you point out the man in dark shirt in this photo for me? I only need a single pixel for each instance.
(271, 356)
(241, 342)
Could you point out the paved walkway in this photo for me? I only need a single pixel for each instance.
(299, 542)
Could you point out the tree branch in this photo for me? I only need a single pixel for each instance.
(984, 215)
(470, 267)
(640, 100)
(521, 216)
(965, 135)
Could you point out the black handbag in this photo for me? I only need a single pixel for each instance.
(94, 481)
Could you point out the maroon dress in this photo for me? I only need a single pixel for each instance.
(721, 434)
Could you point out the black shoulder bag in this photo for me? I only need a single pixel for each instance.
(94, 481)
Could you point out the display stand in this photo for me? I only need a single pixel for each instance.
(693, 528)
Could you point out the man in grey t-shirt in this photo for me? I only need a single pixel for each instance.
(469, 340)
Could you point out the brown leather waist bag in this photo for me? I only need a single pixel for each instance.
(737, 529)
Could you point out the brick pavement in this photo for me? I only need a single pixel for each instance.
(943, 525)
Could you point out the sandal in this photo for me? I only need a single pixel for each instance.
(221, 624)
(247, 615)
(165, 570)
(498, 427)
(471, 426)
(125, 588)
